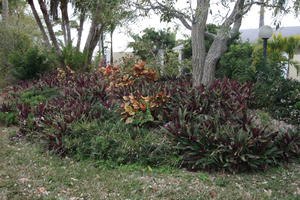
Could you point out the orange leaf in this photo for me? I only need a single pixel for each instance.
(143, 107)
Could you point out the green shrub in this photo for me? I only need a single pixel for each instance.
(274, 68)
(29, 64)
(9, 112)
(280, 98)
(115, 141)
(297, 105)
(35, 96)
(10, 41)
(236, 63)
(8, 118)
(72, 58)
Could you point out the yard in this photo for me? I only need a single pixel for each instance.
(27, 173)
(208, 115)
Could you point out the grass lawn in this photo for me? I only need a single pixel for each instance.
(27, 173)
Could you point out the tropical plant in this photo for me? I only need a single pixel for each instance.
(148, 45)
(236, 63)
(287, 45)
(30, 63)
(212, 130)
(72, 58)
(280, 98)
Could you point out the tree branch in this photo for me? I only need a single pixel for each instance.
(184, 19)
(210, 35)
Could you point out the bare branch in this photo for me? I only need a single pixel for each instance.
(160, 7)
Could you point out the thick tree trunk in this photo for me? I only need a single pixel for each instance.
(5, 11)
(198, 54)
(204, 73)
(65, 19)
(198, 41)
(92, 40)
(217, 49)
(49, 25)
(39, 22)
(80, 29)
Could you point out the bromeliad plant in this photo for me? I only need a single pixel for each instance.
(212, 130)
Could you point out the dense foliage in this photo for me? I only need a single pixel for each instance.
(30, 63)
(148, 45)
(72, 58)
(236, 63)
(127, 117)
(213, 129)
(280, 98)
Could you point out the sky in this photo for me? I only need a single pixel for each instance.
(251, 20)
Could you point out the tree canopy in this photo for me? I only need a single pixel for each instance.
(150, 42)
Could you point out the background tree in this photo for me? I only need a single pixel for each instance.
(194, 17)
(56, 12)
(19, 35)
(150, 42)
(287, 45)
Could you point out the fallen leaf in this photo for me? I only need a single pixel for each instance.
(23, 180)
(42, 190)
(213, 193)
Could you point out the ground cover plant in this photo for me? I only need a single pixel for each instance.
(28, 173)
(132, 116)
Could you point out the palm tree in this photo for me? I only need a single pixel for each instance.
(288, 45)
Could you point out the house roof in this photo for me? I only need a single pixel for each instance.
(251, 35)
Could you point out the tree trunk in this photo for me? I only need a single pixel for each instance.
(262, 14)
(82, 19)
(100, 46)
(63, 28)
(65, 19)
(39, 22)
(49, 25)
(204, 66)
(217, 49)
(5, 11)
(92, 40)
(111, 47)
(198, 41)
(198, 54)
(102, 38)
